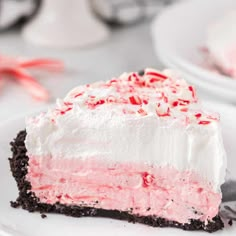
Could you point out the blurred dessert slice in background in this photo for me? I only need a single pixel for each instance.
(221, 44)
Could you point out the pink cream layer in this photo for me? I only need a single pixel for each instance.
(137, 188)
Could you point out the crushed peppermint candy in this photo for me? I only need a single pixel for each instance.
(151, 93)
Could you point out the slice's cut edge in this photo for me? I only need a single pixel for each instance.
(28, 201)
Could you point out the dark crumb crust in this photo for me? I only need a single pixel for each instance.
(28, 201)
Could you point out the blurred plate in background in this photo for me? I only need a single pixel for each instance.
(179, 33)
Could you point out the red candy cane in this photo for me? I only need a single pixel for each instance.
(156, 74)
(48, 64)
(135, 100)
(17, 69)
(34, 88)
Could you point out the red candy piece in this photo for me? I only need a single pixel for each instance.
(198, 115)
(142, 112)
(204, 122)
(183, 102)
(184, 109)
(167, 113)
(147, 179)
(135, 100)
(111, 99)
(175, 103)
(63, 112)
(100, 102)
(152, 73)
(79, 94)
(191, 89)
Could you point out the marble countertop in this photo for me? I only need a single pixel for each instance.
(127, 49)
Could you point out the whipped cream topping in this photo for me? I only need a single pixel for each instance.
(154, 118)
(221, 43)
(164, 94)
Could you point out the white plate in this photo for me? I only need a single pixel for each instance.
(180, 31)
(17, 222)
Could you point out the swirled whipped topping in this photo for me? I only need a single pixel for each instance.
(152, 118)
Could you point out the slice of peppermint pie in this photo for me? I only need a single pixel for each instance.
(138, 147)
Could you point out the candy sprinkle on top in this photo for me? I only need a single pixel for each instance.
(164, 94)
